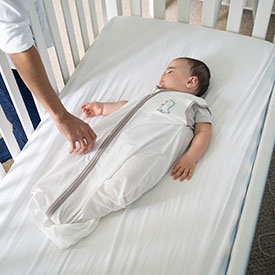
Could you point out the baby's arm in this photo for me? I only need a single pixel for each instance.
(101, 108)
(186, 165)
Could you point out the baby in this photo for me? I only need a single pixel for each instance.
(185, 75)
(147, 136)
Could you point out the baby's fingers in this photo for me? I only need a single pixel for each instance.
(175, 169)
(89, 114)
(83, 106)
(187, 174)
(85, 111)
(177, 172)
(190, 174)
(184, 174)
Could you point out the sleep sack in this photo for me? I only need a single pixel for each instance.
(135, 148)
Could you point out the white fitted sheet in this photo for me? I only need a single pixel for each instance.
(175, 228)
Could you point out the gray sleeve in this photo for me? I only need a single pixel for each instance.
(202, 114)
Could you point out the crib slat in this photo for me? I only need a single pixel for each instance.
(262, 18)
(82, 24)
(93, 18)
(119, 7)
(210, 12)
(15, 95)
(157, 8)
(104, 11)
(254, 8)
(217, 11)
(235, 15)
(111, 8)
(2, 172)
(70, 31)
(184, 10)
(8, 136)
(136, 8)
(51, 16)
(41, 46)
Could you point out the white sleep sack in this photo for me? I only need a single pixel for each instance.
(135, 148)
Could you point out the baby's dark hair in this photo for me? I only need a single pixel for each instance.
(201, 71)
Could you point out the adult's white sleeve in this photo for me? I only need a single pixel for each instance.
(15, 33)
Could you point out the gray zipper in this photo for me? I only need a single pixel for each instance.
(74, 185)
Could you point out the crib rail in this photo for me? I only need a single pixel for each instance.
(251, 208)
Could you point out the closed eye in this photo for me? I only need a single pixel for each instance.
(169, 71)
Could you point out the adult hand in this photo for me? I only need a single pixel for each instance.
(76, 130)
(184, 168)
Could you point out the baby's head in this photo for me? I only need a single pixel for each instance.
(186, 75)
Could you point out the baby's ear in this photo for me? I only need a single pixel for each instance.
(192, 81)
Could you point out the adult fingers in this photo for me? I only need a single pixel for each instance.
(93, 135)
(89, 139)
(86, 142)
(72, 146)
(82, 146)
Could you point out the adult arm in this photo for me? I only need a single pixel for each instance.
(16, 40)
(31, 70)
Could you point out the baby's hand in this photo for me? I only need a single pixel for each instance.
(92, 109)
(184, 168)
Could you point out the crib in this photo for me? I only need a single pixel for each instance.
(81, 19)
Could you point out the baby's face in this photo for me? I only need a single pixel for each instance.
(176, 77)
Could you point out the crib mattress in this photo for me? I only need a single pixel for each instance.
(175, 228)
